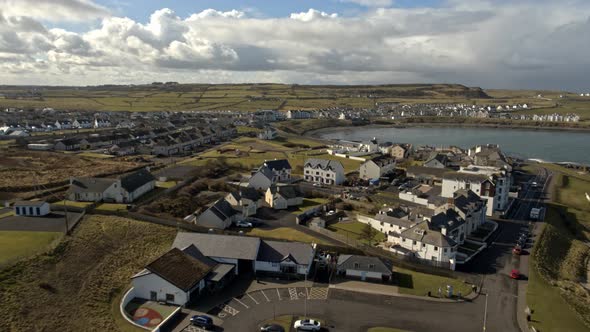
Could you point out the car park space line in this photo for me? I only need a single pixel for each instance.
(253, 299)
(242, 303)
(278, 294)
(266, 297)
(293, 293)
(230, 310)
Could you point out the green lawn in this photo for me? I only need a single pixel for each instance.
(550, 311)
(354, 230)
(166, 184)
(73, 203)
(283, 233)
(16, 244)
(309, 203)
(7, 214)
(417, 283)
(246, 129)
(95, 155)
(111, 207)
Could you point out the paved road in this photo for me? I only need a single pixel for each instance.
(348, 311)
(496, 262)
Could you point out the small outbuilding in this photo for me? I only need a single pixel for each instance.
(31, 208)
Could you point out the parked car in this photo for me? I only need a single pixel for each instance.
(517, 250)
(515, 274)
(244, 224)
(330, 213)
(203, 321)
(307, 325)
(272, 328)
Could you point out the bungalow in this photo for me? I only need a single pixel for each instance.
(31, 208)
(284, 258)
(124, 190)
(123, 148)
(220, 215)
(68, 144)
(363, 268)
(282, 197)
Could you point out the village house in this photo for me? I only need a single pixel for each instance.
(323, 171)
(220, 215)
(261, 179)
(283, 197)
(363, 267)
(437, 160)
(245, 199)
(123, 190)
(268, 133)
(68, 144)
(281, 169)
(400, 151)
(376, 167)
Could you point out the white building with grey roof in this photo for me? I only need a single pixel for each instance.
(323, 171)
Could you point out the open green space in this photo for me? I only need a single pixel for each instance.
(95, 155)
(165, 184)
(16, 245)
(72, 203)
(6, 214)
(283, 233)
(353, 230)
(309, 203)
(114, 207)
(417, 283)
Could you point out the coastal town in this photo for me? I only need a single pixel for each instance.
(259, 216)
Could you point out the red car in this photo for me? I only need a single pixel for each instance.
(515, 274)
(517, 250)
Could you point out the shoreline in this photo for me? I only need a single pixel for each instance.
(314, 133)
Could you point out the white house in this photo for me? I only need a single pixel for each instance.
(246, 200)
(284, 258)
(323, 171)
(220, 215)
(283, 197)
(281, 169)
(377, 167)
(175, 278)
(124, 190)
(268, 133)
(31, 208)
(363, 268)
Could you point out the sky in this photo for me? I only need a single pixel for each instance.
(512, 44)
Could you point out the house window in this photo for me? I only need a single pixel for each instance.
(38, 211)
(435, 248)
(403, 240)
(423, 245)
(414, 242)
(371, 266)
(381, 223)
(153, 296)
(356, 265)
(169, 297)
(445, 250)
(18, 210)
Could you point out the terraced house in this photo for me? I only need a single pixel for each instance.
(323, 171)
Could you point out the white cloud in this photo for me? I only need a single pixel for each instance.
(54, 10)
(371, 3)
(505, 45)
(312, 14)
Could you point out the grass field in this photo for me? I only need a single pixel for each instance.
(245, 97)
(72, 203)
(95, 155)
(111, 207)
(309, 203)
(416, 283)
(6, 214)
(353, 230)
(283, 233)
(75, 287)
(166, 184)
(15, 245)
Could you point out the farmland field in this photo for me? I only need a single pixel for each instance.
(251, 97)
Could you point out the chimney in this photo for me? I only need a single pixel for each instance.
(443, 230)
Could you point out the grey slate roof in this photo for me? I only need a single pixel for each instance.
(323, 164)
(417, 171)
(449, 219)
(382, 160)
(247, 193)
(467, 201)
(288, 192)
(226, 246)
(278, 164)
(465, 176)
(95, 185)
(30, 203)
(136, 179)
(222, 209)
(347, 262)
(276, 251)
(394, 221)
(423, 233)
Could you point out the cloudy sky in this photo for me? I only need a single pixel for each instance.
(488, 43)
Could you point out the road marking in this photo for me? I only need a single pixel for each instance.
(278, 294)
(253, 299)
(266, 297)
(230, 310)
(307, 292)
(242, 303)
(293, 293)
(318, 293)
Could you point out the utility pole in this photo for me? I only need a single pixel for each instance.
(305, 308)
